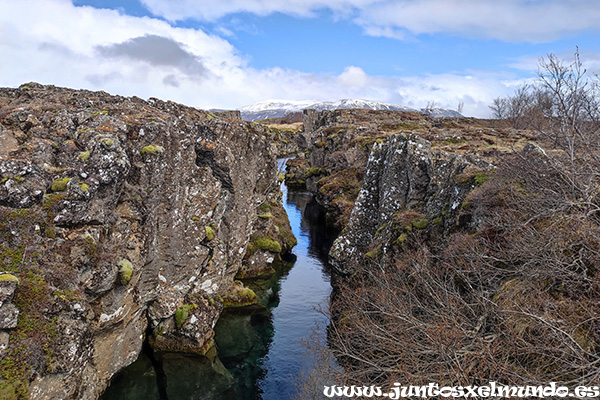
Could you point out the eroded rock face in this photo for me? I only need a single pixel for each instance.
(406, 186)
(119, 211)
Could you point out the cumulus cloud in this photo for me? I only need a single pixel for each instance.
(84, 47)
(353, 76)
(509, 20)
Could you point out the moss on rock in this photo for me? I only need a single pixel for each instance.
(240, 296)
(266, 243)
(125, 271)
(151, 149)
(420, 223)
(60, 184)
(210, 233)
(8, 278)
(84, 155)
(315, 171)
(182, 313)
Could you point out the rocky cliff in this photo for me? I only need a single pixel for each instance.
(122, 218)
(407, 187)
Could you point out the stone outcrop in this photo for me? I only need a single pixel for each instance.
(407, 186)
(120, 217)
(338, 144)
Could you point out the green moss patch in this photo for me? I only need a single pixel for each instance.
(373, 254)
(16, 179)
(60, 184)
(420, 223)
(266, 243)
(210, 233)
(240, 296)
(84, 155)
(315, 171)
(481, 178)
(182, 313)
(264, 208)
(125, 271)
(151, 149)
(8, 278)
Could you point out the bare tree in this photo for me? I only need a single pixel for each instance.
(500, 108)
(430, 106)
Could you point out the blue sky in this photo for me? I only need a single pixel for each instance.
(233, 53)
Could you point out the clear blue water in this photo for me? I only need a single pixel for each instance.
(302, 291)
(260, 353)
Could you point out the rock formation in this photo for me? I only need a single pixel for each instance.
(406, 187)
(120, 218)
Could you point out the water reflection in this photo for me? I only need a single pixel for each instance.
(260, 355)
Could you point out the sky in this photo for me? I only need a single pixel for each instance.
(232, 53)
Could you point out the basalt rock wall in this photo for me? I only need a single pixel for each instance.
(120, 218)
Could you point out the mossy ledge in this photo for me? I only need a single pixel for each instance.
(239, 296)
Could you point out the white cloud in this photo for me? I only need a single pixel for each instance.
(84, 47)
(509, 20)
(176, 10)
(354, 77)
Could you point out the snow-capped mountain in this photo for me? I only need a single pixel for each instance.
(279, 108)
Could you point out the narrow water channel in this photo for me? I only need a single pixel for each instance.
(259, 350)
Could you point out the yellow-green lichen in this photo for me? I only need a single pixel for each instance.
(107, 142)
(125, 271)
(401, 239)
(210, 233)
(266, 243)
(182, 313)
(84, 187)
(103, 112)
(60, 184)
(420, 223)
(84, 155)
(151, 149)
(8, 278)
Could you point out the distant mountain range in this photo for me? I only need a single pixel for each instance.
(279, 108)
